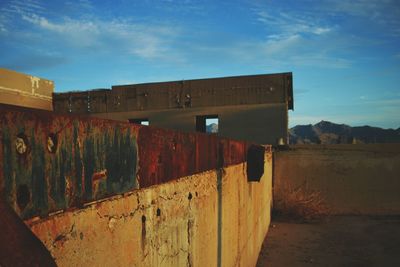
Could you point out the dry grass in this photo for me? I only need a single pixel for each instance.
(300, 204)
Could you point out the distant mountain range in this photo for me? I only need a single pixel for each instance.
(326, 132)
(212, 128)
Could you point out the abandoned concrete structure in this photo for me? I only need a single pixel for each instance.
(82, 191)
(25, 90)
(252, 108)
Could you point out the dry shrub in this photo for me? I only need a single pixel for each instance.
(300, 204)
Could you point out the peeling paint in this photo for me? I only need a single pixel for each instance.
(34, 83)
(93, 158)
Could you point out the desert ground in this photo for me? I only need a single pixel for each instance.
(335, 241)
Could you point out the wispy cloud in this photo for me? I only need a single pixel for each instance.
(364, 8)
(290, 23)
(384, 14)
(294, 39)
(143, 40)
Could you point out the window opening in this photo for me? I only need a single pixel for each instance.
(140, 121)
(207, 123)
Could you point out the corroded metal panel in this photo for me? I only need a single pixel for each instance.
(165, 155)
(52, 162)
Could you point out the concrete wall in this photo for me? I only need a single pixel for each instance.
(215, 218)
(252, 108)
(353, 179)
(262, 124)
(214, 92)
(75, 180)
(25, 90)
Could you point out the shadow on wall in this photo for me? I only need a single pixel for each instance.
(18, 245)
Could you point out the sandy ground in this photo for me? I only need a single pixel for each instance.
(338, 241)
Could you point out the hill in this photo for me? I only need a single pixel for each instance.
(326, 132)
(212, 128)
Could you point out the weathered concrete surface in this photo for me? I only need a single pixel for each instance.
(215, 218)
(353, 179)
(252, 108)
(224, 91)
(25, 90)
(262, 123)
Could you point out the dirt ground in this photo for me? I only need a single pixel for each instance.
(336, 241)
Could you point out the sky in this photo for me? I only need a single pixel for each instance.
(344, 55)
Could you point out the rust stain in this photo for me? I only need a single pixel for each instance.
(99, 175)
(165, 155)
(71, 160)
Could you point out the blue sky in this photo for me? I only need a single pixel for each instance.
(344, 55)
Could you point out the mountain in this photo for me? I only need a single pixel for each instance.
(326, 132)
(212, 128)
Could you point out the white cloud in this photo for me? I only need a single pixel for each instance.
(79, 33)
(146, 41)
(297, 38)
(320, 60)
(3, 29)
(143, 40)
(366, 8)
(381, 13)
(285, 23)
(281, 43)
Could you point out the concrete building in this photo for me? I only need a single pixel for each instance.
(25, 90)
(252, 108)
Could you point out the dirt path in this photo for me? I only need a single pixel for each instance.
(340, 241)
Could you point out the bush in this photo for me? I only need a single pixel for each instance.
(299, 204)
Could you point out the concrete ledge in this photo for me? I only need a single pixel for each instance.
(25, 90)
(215, 218)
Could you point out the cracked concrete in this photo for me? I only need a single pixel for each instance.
(172, 224)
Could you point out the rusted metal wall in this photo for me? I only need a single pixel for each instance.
(53, 162)
(168, 154)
